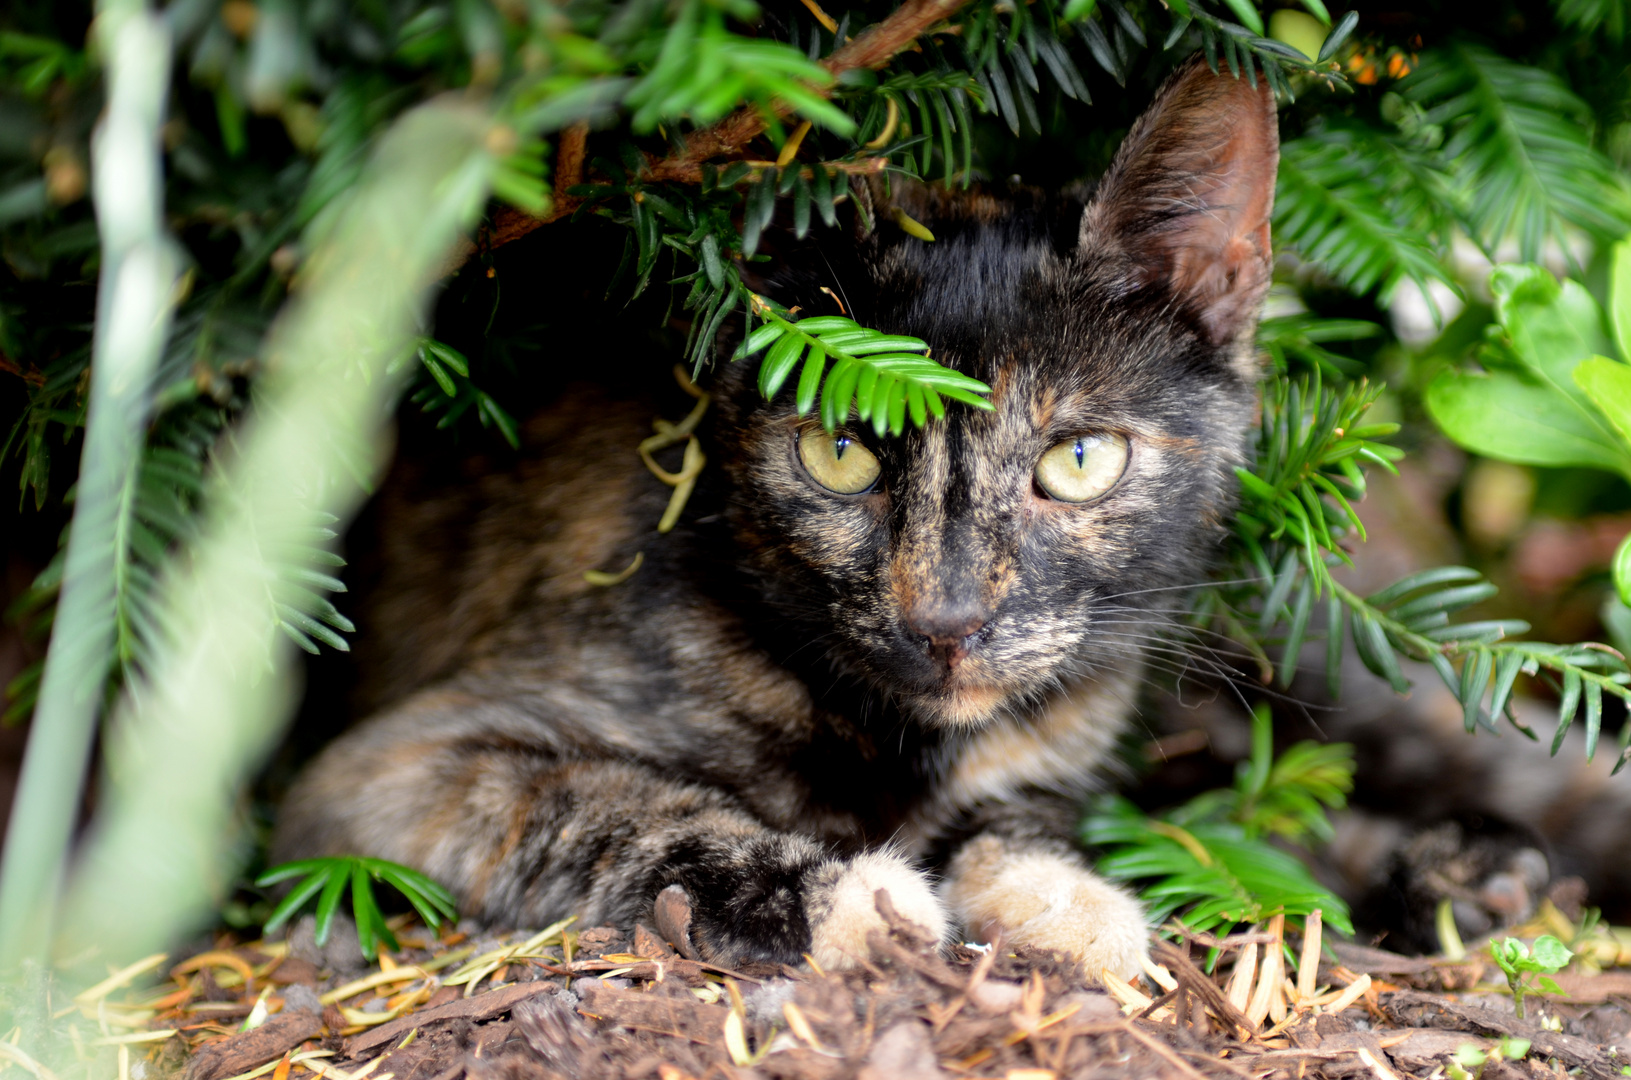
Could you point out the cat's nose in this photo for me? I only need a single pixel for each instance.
(948, 630)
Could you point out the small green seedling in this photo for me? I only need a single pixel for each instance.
(1522, 966)
(328, 877)
(1469, 1062)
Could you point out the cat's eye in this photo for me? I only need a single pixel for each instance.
(1081, 469)
(837, 461)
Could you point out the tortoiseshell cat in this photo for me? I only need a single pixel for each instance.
(859, 663)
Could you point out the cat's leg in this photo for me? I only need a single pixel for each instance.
(1015, 876)
(525, 830)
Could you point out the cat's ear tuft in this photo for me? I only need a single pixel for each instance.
(1188, 198)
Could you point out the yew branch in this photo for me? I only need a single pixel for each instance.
(874, 48)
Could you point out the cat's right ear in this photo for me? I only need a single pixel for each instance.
(1186, 202)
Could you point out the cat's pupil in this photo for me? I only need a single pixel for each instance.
(1081, 452)
(839, 445)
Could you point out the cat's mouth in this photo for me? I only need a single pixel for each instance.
(962, 700)
(971, 704)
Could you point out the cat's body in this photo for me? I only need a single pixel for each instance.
(804, 696)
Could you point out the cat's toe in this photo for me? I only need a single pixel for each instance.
(841, 901)
(1049, 900)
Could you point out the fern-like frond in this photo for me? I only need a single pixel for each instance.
(917, 113)
(704, 71)
(882, 377)
(1519, 146)
(1301, 338)
(450, 395)
(1211, 869)
(1307, 477)
(1475, 660)
(1369, 209)
(1211, 855)
(1608, 17)
(326, 880)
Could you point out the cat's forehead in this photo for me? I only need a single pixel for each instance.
(986, 268)
(1055, 330)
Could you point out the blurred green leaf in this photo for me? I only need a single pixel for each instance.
(1507, 417)
(1548, 412)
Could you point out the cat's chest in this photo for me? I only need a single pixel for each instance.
(864, 775)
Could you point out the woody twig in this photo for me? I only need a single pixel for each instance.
(874, 48)
(32, 376)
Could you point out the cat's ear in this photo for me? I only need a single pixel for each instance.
(1188, 198)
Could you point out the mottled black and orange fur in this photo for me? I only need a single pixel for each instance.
(803, 697)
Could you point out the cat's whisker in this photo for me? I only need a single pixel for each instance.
(1178, 588)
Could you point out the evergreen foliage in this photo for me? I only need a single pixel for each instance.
(696, 126)
(1209, 855)
(324, 881)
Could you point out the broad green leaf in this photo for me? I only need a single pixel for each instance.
(1506, 417)
(1303, 32)
(1608, 384)
(1619, 298)
(1622, 571)
(1553, 327)
(1550, 954)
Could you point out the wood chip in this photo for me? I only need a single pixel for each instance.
(1308, 963)
(479, 1007)
(1410, 1008)
(273, 1039)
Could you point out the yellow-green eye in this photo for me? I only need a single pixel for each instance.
(1081, 469)
(836, 461)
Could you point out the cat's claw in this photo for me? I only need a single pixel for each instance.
(842, 906)
(672, 913)
(1049, 900)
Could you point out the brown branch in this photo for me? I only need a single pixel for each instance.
(691, 172)
(874, 48)
(33, 376)
(569, 167)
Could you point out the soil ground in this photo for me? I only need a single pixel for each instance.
(625, 1002)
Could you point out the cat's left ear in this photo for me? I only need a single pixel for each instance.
(1188, 198)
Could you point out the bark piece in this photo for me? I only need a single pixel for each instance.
(1414, 971)
(294, 970)
(1593, 989)
(1195, 980)
(555, 1033)
(1424, 1049)
(1407, 1008)
(683, 1016)
(480, 1007)
(649, 945)
(902, 1053)
(240, 1053)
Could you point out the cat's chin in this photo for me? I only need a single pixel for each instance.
(961, 706)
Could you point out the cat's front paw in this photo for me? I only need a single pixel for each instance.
(778, 901)
(840, 901)
(1049, 900)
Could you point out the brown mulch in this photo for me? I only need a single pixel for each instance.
(605, 1002)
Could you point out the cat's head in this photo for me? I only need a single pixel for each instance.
(969, 568)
